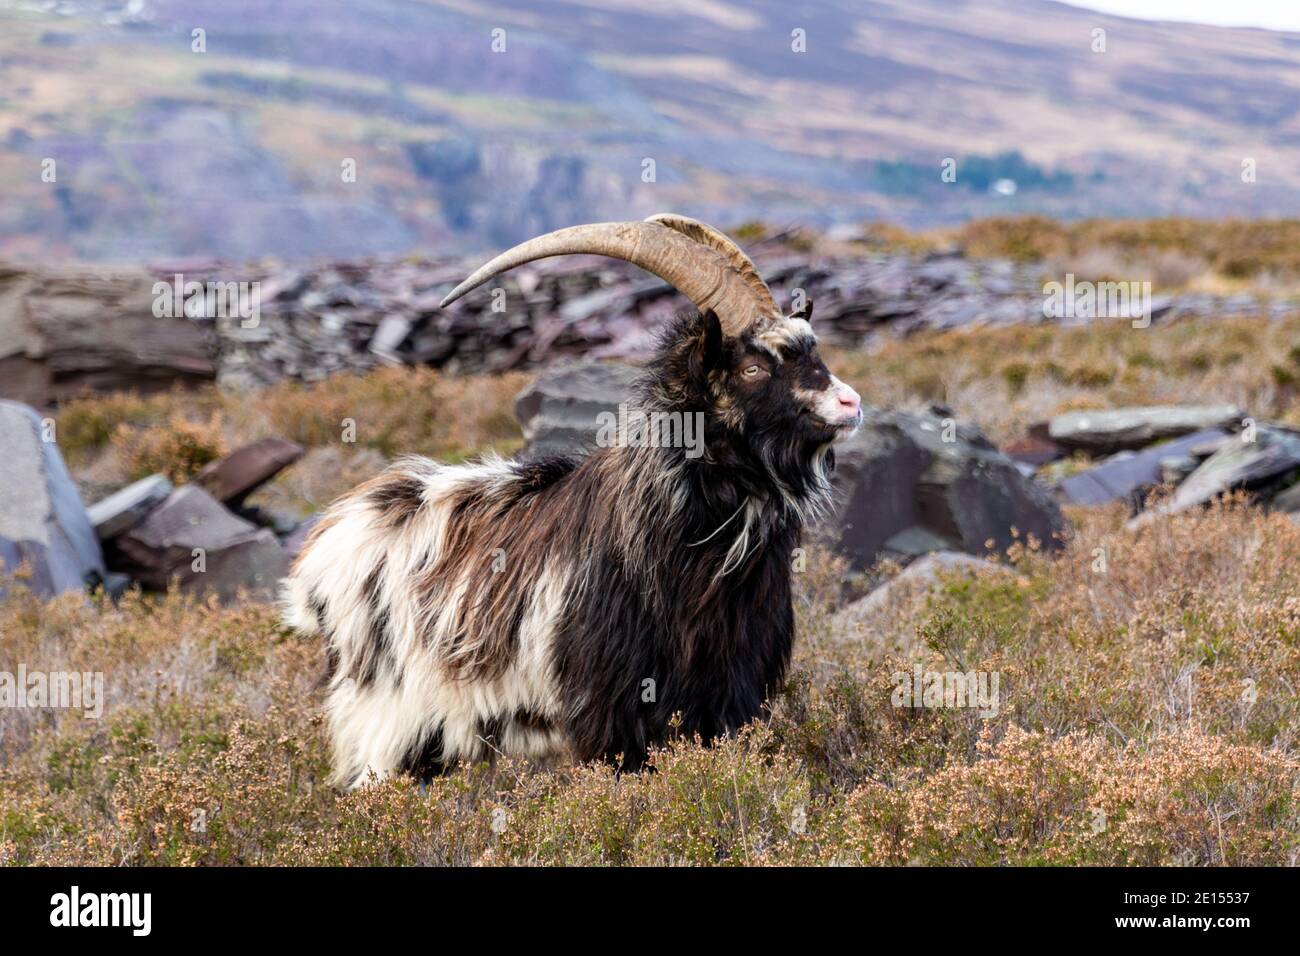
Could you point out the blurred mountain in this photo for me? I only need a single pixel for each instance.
(480, 123)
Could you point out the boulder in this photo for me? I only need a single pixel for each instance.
(1264, 467)
(42, 519)
(234, 477)
(1126, 475)
(66, 330)
(922, 575)
(915, 541)
(193, 540)
(558, 411)
(123, 510)
(1104, 432)
(918, 482)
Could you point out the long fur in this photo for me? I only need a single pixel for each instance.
(562, 606)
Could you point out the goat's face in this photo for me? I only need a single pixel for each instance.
(767, 391)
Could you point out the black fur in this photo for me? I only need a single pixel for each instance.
(398, 498)
(377, 654)
(715, 647)
(424, 761)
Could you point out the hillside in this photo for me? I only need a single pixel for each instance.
(238, 151)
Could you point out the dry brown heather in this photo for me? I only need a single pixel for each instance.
(1124, 734)
(109, 440)
(1211, 255)
(1126, 731)
(1006, 379)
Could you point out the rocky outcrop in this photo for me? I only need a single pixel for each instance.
(1263, 462)
(1119, 429)
(559, 411)
(192, 541)
(911, 483)
(1129, 476)
(1231, 453)
(63, 332)
(43, 523)
(203, 536)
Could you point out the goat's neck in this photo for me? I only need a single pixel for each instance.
(669, 503)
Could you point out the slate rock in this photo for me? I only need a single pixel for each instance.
(66, 330)
(914, 473)
(42, 518)
(1263, 467)
(1126, 474)
(915, 541)
(389, 336)
(237, 475)
(235, 553)
(1174, 468)
(1035, 451)
(559, 410)
(124, 509)
(925, 573)
(1104, 432)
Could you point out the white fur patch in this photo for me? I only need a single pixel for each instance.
(784, 333)
(373, 727)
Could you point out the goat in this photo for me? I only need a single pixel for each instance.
(573, 607)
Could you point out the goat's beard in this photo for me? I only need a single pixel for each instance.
(798, 475)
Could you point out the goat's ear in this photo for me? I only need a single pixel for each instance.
(804, 312)
(711, 344)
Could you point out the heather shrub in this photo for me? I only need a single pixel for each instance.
(1146, 715)
(351, 426)
(398, 411)
(178, 449)
(1009, 378)
(87, 424)
(1172, 252)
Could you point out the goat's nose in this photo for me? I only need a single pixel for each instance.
(849, 400)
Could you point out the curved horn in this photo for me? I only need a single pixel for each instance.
(704, 233)
(700, 271)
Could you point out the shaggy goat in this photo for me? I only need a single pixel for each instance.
(574, 606)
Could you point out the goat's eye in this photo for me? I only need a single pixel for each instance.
(753, 371)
